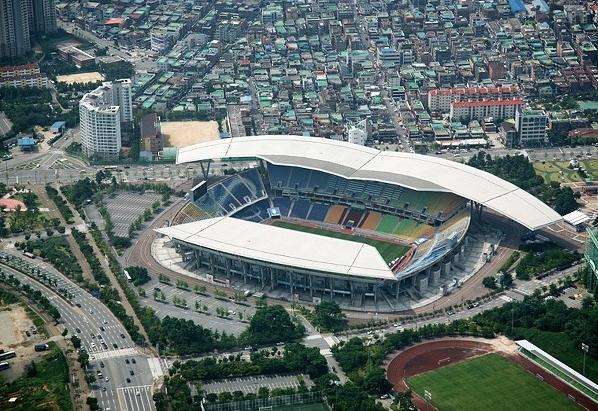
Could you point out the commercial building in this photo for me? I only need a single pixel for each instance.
(14, 28)
(101, 114)
(480, 109)
(531, 127)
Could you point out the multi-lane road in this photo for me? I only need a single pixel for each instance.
(124, 373)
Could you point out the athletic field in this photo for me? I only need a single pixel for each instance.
(489, 382)
(388, 251)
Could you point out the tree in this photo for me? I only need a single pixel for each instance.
(506, 280)
(375, 382)
(93, 403)
(31, 370)
(139, 275)
(272, 324)
(76, 341)
(83, 359)
(489, 282)
(327, 316)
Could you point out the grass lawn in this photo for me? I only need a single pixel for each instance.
(388, 251)
(47, 390)
(550, 171)
(559, 345)
(490, 382)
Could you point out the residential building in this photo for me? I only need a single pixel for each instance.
(123, 98)
(440, 99)
(531, 127)
(42, 16)
(14, 28)
(100, 116)
(26, 75)
(478, 110)
(152, 139)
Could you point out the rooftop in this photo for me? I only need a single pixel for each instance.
(414, 171)
(282, 246)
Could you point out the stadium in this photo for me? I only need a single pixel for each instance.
(310, 218)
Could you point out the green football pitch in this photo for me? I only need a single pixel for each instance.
(490, 382)
(388, 251)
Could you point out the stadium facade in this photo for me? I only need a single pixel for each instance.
(319, 218)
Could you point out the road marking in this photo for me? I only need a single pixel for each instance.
(123, 352)
(155, 367)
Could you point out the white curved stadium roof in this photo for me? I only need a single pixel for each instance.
(279, 245)
(415, 171)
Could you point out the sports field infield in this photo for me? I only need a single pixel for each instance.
(489, 382)
(388, 251)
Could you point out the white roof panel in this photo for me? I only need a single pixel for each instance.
(415, 171)
(283, 246)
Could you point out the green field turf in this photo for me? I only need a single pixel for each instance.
(388, 251)
(490, 382)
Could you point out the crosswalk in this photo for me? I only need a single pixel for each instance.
(122, 352)
(135, 398)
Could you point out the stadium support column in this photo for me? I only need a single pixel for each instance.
(291, 282)
(398, 289)
(205, 170)
(197, 255)
(262, 275)
(311, 288)
(227, 267)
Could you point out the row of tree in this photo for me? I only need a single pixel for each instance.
(520, 171)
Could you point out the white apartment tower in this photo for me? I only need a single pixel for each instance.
(101, 113)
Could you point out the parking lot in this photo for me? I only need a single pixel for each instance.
(124, 208)
(231, 325)
(253, 384)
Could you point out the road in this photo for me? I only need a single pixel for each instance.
(111, 350)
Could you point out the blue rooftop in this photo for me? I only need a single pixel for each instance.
(26, 141)
(516, 6)
(58, 125)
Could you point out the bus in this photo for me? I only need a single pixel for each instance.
(8, 354)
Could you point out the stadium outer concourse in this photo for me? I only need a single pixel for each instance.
(323, 218)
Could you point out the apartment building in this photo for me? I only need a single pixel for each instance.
(25, 75)
(14, 28)
(480, 109)
(440, 99)
(101, 113)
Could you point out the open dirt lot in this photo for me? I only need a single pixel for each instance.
(185, 133)
(14, 322)
(80, 78)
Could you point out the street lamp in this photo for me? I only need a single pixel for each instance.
(585, 348)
